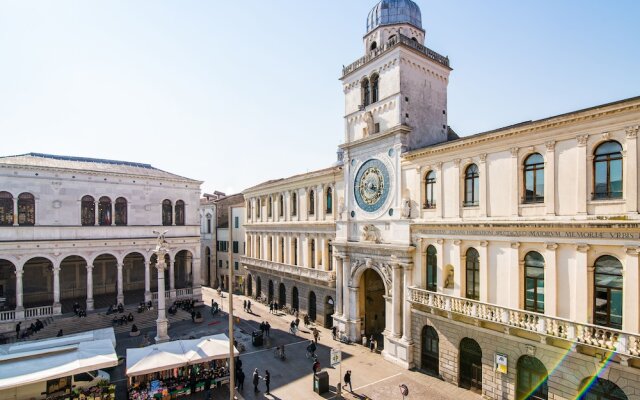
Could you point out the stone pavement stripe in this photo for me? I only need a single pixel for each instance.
(338, 396)
(271, 348)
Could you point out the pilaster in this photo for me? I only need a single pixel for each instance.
(484, 271)
(515, 183)
(551, 280)
(396, 301)
(550, 179)
(582, 275)
(630, 170)
(631, 288)
(484, 193)
(581, 172)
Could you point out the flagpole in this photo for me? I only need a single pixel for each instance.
(232, 360)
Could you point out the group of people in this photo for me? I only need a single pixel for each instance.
(123, 320)
(79, 311)
(273, 307)
(195, 315)
(265, 328)
(142, 307)
(119, 308)
(257, 378)
(247, 305)
(33, 328)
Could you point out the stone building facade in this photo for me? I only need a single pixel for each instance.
(76, 229)
(505, 262)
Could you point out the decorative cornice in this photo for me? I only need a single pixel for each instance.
(632, 131)
(582, 140)
(550, 145)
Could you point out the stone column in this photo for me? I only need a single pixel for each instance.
(550, 280)
(582, 274)
(484, 193)
(15, 211)
(57, 307)
(457, 200)
(172, 278)
(120, 284)
(458, 270)
(515, 183)
(19, 290)
(550, 179)
(96, 213)
(147, 281)
(89, 287)
(406, 315)
(162, 323)
(301, 252)
(631, 170)
(354, 308)
(321, 204)
(630, 290)
(196, 281)
(346, 274)
(439, 245)
(325, 254)
(339, 283)
(396, 301)
(484, 271)
(581, 171)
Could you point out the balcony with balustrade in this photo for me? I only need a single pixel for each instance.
(530, 325)
(303, 274)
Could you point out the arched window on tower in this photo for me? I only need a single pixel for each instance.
(366, 98)
(167, 213)
(329, 200)
(26, 209)
(471, 186)
(88, 211)
(121, 211)
(104, 211)
(6, 209)
(534, 179)
(374, 87)
(179, 212)
(373, 46)
(208, 223)
(607, 171)
(429, 190)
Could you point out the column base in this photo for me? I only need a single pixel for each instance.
(197, 292)
(162, 325)
(398, 351)
(57, 308)
(147, 296)
(172, 293)
(19, 313)
(120, 298)
(89, 304)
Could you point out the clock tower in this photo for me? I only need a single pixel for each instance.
(395, 101)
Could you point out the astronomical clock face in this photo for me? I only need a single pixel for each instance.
(371, 185)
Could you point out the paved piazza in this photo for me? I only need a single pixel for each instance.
(372, 377)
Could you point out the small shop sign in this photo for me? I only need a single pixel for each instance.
(501, 363)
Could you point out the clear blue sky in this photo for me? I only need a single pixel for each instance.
(235, 93)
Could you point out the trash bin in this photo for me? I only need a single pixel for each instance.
(257, 339)
(321, 382)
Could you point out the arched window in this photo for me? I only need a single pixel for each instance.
(531, 379)
(429, 189)
(6, 209)
(312, 202)
(600, 389)
(534, 179)
(374, 88)
(88, 211)
(104, 211)
(392, 39)
(294, 204)
(281, 206)
(432, 269)
(329, 197)
(269, 207)
(607, 171)
(471, 186)
(473, 274)
(167, 213)
(179, 212)
(366, 91)
(608, 292)
(373, 46)
(430, 359)
(534, 282)
(26, 209)
(208, 223)
(121, 211)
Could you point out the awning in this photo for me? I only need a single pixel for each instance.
(179, 353)
(18, 369)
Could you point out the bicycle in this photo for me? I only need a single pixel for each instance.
(279, 353)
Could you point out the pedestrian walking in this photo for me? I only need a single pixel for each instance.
(267, 326)
(244, 305)
(271, 308)
(240, 376)
(18, 330)
(193, 316)
(347, 380)
(316, 334)
(256, 380)
(334, 332)
(249, 305)
(372, 344)
(316, 366)
(267, 380)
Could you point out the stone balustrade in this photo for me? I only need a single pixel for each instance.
(35, 312)
(601, 337)
(7, 316)
(318, 276)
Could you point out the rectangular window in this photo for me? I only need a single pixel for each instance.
(236, 222)
(227, 263)
(235, 266)
(219, 263)
(235, 246)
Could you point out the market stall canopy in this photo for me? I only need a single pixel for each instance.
(22, 368)
(67, 340)
(179, 353)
